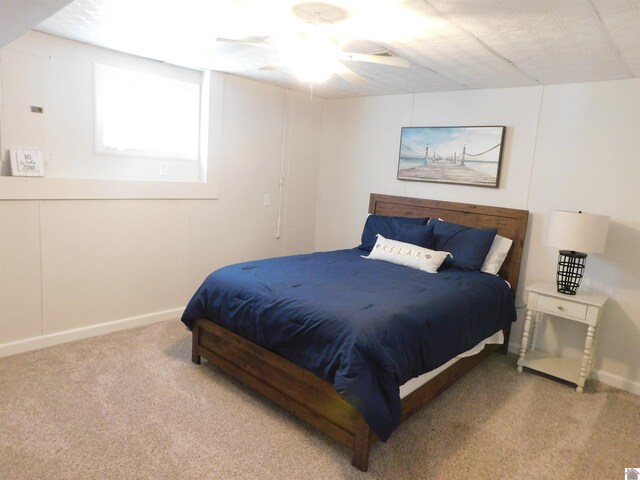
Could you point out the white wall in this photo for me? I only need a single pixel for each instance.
(61, 80)
(72, 268)
(68, 265)
(567, 147)
(361, 146)
(586, 159)
(57, 74)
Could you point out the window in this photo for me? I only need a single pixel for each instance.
(67, 79)
(143, 115)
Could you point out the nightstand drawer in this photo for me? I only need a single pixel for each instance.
(562, 307)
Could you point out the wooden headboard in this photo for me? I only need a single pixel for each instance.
(511, 223)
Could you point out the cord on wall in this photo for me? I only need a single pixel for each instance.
(282, 160)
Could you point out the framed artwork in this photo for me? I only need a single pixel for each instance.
(461, 155)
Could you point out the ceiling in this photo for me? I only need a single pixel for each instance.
(451, 44)
(18, 16)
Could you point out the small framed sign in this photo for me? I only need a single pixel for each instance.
(26, 163)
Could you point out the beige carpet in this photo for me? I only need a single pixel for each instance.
(131, 405)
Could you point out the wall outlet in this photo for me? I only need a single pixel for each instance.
(164, 166)
(267, 199)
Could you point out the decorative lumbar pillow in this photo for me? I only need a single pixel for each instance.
(406, 254)
(386, 226)
(497, 253)
(468, 246)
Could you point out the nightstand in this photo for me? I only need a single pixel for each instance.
(585, 308)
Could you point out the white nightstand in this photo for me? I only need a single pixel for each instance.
(583, 308)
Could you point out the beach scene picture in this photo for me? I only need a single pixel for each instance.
(462, 155)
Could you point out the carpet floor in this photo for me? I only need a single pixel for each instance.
(131, 405)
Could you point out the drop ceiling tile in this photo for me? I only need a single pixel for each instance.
(514, 35)
(554, 37)
(569, 10)
(624, 29)
(458, 43)
(433, 28)
(586, 31)
(415, 78)
(574, 68)
(467, 63)
(614, 7)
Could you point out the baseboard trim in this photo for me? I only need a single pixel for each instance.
(616, 381)
(604, 377)
(49, 340)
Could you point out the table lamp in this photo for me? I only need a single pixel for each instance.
(575, 234)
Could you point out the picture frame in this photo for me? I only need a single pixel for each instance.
(26, 163)
(458, 155)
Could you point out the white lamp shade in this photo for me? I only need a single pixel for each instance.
(579, 232)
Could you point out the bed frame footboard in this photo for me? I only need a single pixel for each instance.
(305, 395)
(294, 388)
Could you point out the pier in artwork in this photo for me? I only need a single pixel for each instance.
(448, 172)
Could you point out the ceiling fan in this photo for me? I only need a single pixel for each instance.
(313, 50)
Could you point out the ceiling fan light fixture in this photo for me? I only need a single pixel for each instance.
(312, 56)
(309, 72)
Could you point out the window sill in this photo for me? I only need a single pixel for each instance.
(28, 188)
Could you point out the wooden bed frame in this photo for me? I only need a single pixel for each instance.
(316, 401)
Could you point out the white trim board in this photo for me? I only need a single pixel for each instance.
(57, 338)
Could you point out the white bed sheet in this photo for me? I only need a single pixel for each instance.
(417, 382)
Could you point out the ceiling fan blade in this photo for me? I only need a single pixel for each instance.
(375, 58)
(276, 66)
(252, 42)
(349, 75)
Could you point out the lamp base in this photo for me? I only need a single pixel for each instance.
(570, 267)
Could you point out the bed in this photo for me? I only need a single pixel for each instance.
(355, 407)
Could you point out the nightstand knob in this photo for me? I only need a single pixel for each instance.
(560, 307)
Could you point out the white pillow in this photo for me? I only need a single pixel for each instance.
(496, 255)
(406, 254)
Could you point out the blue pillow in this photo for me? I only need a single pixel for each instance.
(469, 246)
(421, 235)
(385, 226)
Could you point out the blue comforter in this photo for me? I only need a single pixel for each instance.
(366, 326)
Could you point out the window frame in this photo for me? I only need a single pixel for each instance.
(100, 73)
